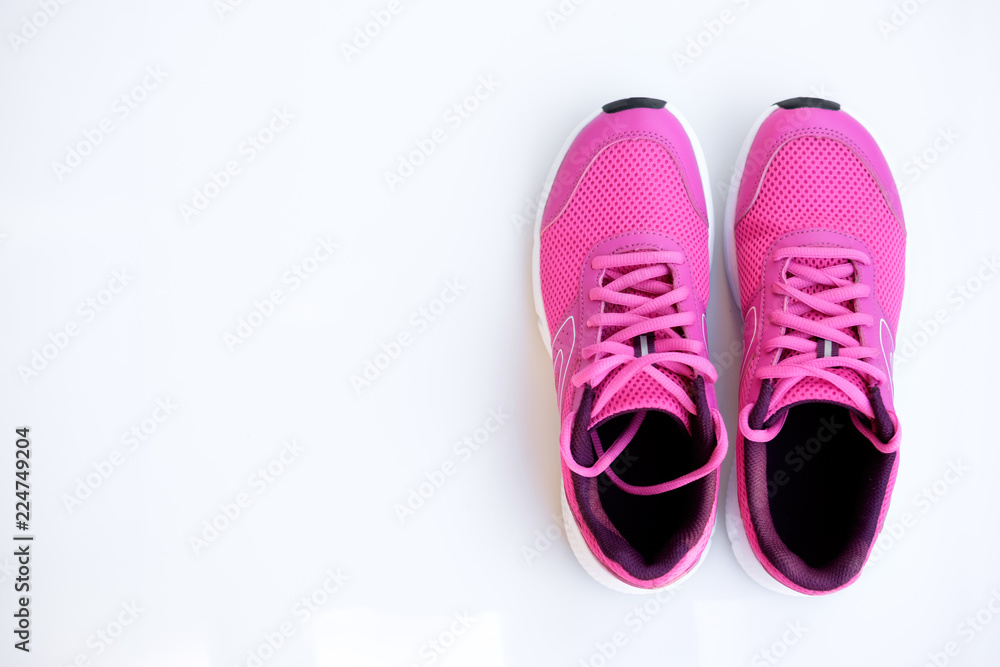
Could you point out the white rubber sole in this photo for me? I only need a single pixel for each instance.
(573, 535)
(734, 522)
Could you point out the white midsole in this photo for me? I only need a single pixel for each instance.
(741, 543)
(573, 534)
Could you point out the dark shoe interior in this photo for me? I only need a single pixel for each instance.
(825, 483)
(665, 525)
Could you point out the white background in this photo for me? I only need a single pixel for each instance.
(469, 548)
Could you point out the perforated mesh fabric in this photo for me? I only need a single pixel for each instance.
(643, 392)
(816, 182)
(632, 185)
(814, 389)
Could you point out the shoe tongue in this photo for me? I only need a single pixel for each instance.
(642, 392)
(811, 389)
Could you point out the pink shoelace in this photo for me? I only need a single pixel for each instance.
(649, 305)
(798, 350)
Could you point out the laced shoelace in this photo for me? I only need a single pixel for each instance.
(815, 311)
(648, 305)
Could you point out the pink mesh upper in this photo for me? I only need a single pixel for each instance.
(632, 184)
(816, 182)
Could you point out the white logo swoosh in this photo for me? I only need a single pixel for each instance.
(748, 350)
(883, 331)
(561, 358)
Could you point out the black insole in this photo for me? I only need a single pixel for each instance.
(661, 450)
(822, 478)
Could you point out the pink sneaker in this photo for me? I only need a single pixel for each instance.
(621, 266)
(814, 251)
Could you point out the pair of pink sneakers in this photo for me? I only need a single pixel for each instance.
(814, 244)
